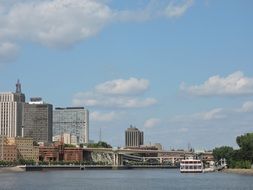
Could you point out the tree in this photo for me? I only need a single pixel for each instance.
(100, 144)
(240, 158)
(245, 142)
(69, 145)
(223, 152)
(104, 144)
(35, 143)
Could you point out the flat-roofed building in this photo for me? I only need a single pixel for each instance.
(49, 153)
(133, 137)
(73, 121)
(38, 120)
(7, 152)
(73, 154)
(25, 148)
(66, 138)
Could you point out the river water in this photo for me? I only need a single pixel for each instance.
(145, 179)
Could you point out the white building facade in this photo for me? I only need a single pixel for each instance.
(11, 112)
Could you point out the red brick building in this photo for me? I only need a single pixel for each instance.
(49, 153)
(60, 153)
(73, 154)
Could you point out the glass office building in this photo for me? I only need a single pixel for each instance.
(38, 120)
(73, 121)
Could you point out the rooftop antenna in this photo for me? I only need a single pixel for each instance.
(18, 87)
(100, 135)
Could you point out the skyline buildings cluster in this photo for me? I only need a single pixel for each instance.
(37, 119)
(174, 68)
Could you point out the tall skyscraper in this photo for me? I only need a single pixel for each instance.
(38, 120)
(11, 112)
(133, 137)
(72, 120)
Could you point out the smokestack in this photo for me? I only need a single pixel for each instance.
(22, 131)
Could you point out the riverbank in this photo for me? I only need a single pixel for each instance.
(239, 171)
(11, 169)
(91, 167)
(78, 167)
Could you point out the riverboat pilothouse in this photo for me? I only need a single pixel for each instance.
(191, 166)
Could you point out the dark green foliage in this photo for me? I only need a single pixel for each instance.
(26, 162)
(18, 162)
(245, 164)
(81, 145)
(69, 145)
(35, 143)
(4, 163)
(241, 158)
(245, 142)
(223, 152)
(100, 144)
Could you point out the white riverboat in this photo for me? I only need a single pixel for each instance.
(191, 166)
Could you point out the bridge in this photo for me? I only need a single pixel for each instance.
(117, 155)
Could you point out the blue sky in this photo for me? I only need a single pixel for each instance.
(180, 70)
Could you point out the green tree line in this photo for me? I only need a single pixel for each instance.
(100, 144)
(237, 158)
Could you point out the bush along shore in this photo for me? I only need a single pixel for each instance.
(241, 158)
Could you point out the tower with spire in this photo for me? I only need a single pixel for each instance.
(20, 95)
(18, 87)
(11, 106)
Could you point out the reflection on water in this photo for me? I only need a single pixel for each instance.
(124, 180)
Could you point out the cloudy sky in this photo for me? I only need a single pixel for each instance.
(180, 70)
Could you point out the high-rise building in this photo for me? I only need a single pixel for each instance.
(72, 120)
(38, 120)
(11, 112)
(133, 137)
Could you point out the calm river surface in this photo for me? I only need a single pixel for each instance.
(146, 179)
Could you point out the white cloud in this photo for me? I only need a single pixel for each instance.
(183, 130)
(152, 122)
(8, 52)
(210, 115)
(246, 107)
(234, 84)
(176, 10)
(217, 113)
(54, 23)
(155, 9)
(124, 94)
(98, 100)
(104, 117)
(121, 86)
(62, 23)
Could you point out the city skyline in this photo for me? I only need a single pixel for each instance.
(179, 70)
